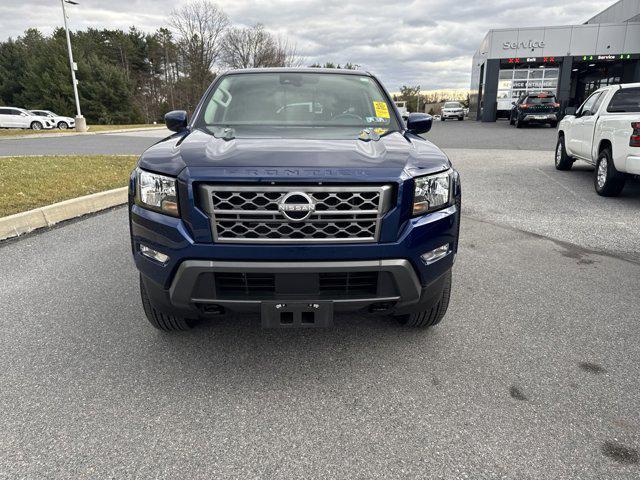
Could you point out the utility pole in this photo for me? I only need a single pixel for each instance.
(81, 123)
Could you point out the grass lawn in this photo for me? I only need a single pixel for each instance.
(10, 132)
(31, 182)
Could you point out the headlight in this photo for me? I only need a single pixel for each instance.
(432, 192)
(157, 192)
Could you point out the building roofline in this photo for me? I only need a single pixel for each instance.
(602, 11)
(548, 27)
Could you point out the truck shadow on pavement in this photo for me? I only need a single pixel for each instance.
(584, 175)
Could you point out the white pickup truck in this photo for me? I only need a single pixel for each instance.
(402, 108)
(605, 132)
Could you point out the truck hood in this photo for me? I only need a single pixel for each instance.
(392, 156)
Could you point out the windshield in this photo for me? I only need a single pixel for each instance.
(452, 105)
(342, 104)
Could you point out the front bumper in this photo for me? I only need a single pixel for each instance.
(452, 114)
(194, 292)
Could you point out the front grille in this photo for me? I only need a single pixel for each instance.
(349, 283)
(295, 214)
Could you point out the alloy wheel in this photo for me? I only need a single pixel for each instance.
(558, 152)
(603, 166)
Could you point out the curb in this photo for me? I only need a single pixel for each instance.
(74, 134)
(25, 222)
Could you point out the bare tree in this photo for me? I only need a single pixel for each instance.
(199, 26)
(255, 47)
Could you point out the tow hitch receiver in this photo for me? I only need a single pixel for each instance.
(297, 314)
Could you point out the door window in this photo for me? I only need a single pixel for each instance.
(596, 105)
(587, 106)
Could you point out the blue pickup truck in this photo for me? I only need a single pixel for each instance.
(294, 194)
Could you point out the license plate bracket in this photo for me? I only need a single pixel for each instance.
(297, 314)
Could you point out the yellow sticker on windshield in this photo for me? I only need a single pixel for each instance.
(381, 109)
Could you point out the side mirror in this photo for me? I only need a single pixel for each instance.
(176, 120)
(570, 111)
(418, 123)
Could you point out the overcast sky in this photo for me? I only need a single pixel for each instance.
(425, 42)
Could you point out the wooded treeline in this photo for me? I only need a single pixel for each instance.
(132, 76)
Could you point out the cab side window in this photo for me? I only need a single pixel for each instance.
(596, 105)
(587, 107)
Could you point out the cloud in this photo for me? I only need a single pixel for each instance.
(425, 42)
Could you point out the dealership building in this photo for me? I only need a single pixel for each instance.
(570, 61)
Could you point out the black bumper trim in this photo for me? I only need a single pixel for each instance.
(404, 275)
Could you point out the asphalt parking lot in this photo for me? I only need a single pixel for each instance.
(534, 372)
(121, 143)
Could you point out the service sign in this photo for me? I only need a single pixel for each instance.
(607, 58)
(523, 44)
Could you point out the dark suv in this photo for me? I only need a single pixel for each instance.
(535, 108)
(294, 194)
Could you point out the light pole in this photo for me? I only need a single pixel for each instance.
(81, 123)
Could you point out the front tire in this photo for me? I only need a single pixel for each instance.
(432, 316)
(518, 123)
(563, 161)
(63, 125)
(160, 320)
(460, 119)
(36, 126)
(608, 181)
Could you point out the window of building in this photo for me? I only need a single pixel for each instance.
(514, 82)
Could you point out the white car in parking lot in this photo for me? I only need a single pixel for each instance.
(605, 132)
(59, 121)
(452, 110)
(12, 117)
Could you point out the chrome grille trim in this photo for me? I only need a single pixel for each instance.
(249, 214)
